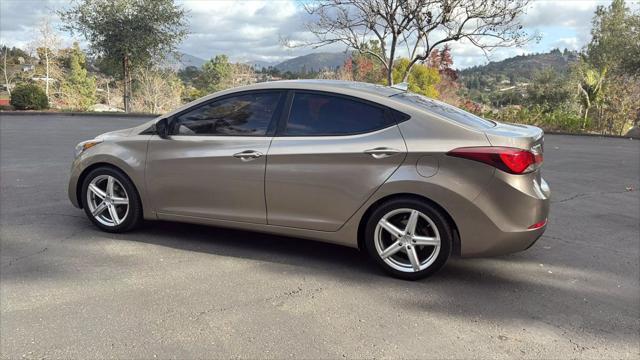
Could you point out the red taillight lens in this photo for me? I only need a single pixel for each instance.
(511, 160)
(538, 225)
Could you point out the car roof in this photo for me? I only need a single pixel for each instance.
(335, 86)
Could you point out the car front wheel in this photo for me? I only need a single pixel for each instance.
(110, 200)
(408, 238)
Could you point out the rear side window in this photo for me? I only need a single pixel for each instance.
(242, 115)
(447, 111)
(315, 114)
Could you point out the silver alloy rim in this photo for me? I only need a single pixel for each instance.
(407, 240)
(108, 200)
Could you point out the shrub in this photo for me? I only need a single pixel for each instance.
(558, 119)
(29, 97)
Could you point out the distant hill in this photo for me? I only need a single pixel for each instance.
(313, 62)
(182, 61)
(189, 60)
(259, 64)
(518, 69)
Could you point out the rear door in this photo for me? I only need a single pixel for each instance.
(213, 165)
(328, 157)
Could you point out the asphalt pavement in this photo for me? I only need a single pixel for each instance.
(173, 290)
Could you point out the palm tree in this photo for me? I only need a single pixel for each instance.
(591, 90)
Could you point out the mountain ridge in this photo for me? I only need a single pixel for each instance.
(518, 69)
(313, 62)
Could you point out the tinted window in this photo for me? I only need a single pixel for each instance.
(243, 115)
(317, 114)
(448, 111)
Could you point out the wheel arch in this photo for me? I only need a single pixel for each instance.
(90, 168)
(367, 214)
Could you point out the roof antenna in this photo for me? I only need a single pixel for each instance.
(401, 86)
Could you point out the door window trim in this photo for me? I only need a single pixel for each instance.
(271, 128)
(394, 116)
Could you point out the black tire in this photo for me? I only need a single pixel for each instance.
(438, 219)
(133, 216)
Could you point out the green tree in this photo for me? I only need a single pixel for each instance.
(189, 74)
(591, 90)
(131, 33)
(216, 74)
(549, 89)
(422, 79)
(615, 42)
(78, 88)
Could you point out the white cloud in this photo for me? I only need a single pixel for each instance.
(574, 14)
(246, 30)
(253, 29)
(571, 43)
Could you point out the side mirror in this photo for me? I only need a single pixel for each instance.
(162, 128)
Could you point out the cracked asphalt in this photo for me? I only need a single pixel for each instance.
(171, 290)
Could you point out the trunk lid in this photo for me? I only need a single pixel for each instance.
(515, 135)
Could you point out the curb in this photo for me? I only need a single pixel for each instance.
(591, 135)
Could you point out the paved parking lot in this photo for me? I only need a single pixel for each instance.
(171, 290)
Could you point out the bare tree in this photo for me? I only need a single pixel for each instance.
(242, 74)
(158, 91)
(5, 51)
(419, 26)
(46, 43)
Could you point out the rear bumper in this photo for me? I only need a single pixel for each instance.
(504, 213)
(505, 243)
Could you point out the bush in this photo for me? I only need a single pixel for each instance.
(29, 97)
(558, 119)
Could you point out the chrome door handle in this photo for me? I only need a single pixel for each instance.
(382, 152)
(247, 155)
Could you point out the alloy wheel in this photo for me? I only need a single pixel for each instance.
(108, 200)
(407, 240)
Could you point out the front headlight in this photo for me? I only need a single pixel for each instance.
(80, 148)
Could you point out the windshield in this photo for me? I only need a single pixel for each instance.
(450, 112)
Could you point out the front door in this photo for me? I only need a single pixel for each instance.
(213, 165)
(328, 158)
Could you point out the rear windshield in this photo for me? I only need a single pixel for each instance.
(450, 112)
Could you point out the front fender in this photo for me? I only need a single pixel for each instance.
(127, 154)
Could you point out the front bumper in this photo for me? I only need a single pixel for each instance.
(76, 171)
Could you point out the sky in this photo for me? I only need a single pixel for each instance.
(253, 30)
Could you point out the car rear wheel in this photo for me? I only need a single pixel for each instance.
(110, 200)
(408, 238)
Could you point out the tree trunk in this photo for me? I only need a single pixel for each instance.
(46, 63)
(6, 78)
(406, 76)
(108, 95)
(126, 96)
(586, 115)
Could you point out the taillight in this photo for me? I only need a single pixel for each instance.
(511, 160)
(538, 225)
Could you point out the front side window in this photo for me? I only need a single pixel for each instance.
(315, 114)
(242, 115)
